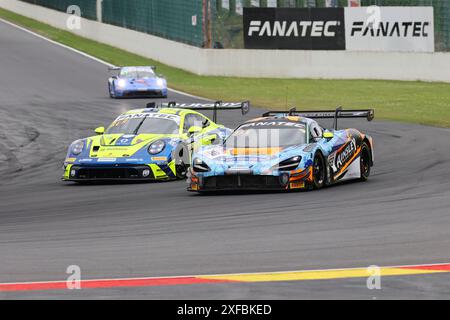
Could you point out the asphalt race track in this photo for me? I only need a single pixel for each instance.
(50, 96)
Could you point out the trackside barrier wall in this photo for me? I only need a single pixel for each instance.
(88, 7)
(253, 63)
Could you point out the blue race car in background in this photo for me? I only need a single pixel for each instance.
(285, 151)
(136, 82)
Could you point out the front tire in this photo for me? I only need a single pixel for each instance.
(365, 162)
(319, 172)
(181, 171)
(181, 156)
(110, 91)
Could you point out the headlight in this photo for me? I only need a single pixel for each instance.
(160, 82)
(289, 164)
(156, 147)
(200, 166)
(77, 147)
(121, 83)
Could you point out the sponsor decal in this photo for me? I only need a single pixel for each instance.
(373, 28)
(71, 159)
(401, 29)
(124, 142)
(159, 158)
(294, 28)
(156, 115)
(297, 185)
(394, 29)
(106, 160)
(248, 159)
(209, 105)
(338, 159)
(214, 153)
(273, 124)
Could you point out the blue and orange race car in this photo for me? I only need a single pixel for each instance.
(136, 82)
(285, 151)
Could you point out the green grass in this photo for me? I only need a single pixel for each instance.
(418, 102)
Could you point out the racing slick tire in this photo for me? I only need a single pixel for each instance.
(109, 91)
(319, 172)
(365, 162)
(181, 157)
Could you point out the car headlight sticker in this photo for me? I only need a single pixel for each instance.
(77, 147)
(156, 147)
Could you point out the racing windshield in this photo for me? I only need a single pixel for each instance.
(267, 134)
(137, 73)
(149, 123)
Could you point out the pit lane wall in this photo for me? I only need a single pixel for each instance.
(252, 63)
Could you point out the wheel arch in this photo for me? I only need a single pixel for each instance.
(368, 141)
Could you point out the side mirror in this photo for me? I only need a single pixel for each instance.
(328, 135)
(210, 139)
(100, 130)
(194, 129)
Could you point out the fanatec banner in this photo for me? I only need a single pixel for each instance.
(398, 29)
(289, 28)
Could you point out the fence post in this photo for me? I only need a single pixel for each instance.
(99, 11)
(207, 33)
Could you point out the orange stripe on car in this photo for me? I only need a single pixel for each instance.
(254, 151)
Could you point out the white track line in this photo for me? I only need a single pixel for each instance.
(84, 54)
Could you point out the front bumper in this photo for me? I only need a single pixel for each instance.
(129, 173)
(292, 180)
(150, 172)
(141, 93)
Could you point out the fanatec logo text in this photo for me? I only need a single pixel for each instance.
(293, 28)
(391, 29)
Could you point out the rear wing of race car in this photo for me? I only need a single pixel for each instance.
(215, 106)
(339, 113)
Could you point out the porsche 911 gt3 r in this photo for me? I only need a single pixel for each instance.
(284, 151)
(154, 143)
(137, 82)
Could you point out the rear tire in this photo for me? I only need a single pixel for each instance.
(365, 162)
(319, 171)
